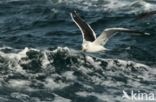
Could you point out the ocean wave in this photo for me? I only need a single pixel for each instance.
(124, 6)
(58, 70)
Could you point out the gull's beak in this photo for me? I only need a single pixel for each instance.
(82, 49)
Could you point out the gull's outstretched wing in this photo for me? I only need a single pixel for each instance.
(108, 33)
(87, 32)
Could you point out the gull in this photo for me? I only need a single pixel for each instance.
(90, 42)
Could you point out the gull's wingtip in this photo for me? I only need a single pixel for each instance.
(147, 33)
(73, 13)
(144, 33)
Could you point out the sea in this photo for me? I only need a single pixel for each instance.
(41, 58)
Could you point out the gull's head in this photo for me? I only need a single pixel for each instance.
(86, 46)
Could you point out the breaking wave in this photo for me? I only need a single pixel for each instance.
(48, 75)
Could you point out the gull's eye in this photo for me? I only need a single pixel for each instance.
(85, 45)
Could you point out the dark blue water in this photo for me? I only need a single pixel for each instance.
(41, 61)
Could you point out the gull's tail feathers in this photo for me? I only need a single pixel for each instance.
(109, 32)
(87, 32)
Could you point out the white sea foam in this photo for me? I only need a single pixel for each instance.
(45, 60)
(109, 5)
(69, 75)
(60, 99)
(20, 96)
(51, 84)
(15, 83)
(91, 61)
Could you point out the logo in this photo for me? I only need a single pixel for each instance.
(138, 96)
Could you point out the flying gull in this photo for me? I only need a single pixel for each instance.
(90, 42)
